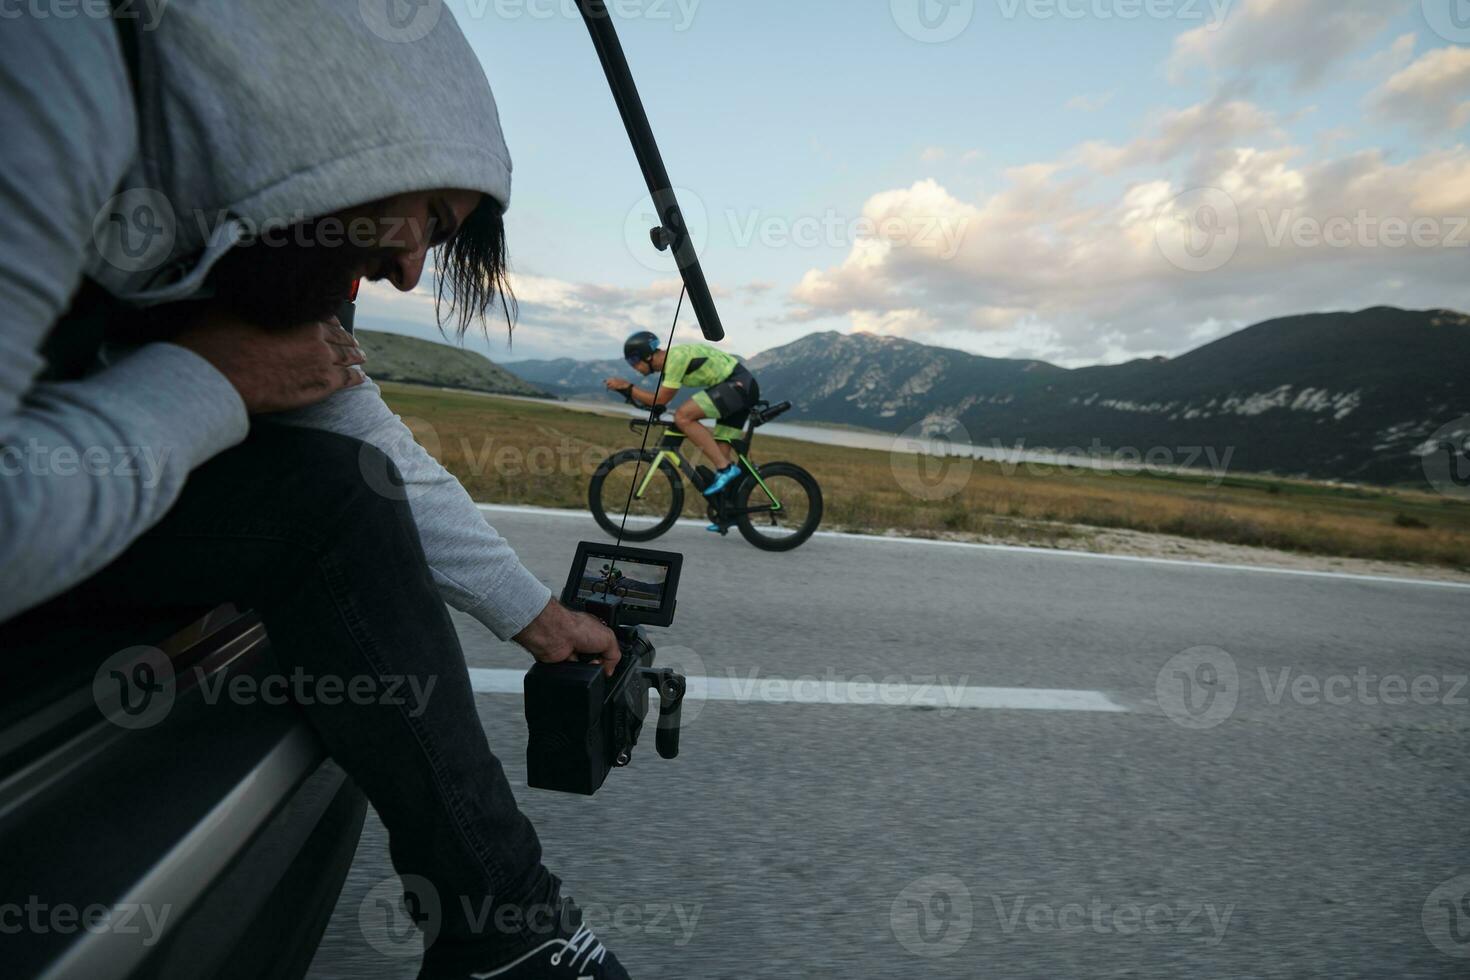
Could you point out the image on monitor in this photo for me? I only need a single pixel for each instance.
(639, 584)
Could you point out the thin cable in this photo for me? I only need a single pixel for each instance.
(653, 414)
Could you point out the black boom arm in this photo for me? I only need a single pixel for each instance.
(672, 231)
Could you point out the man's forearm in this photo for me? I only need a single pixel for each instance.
(647, 399)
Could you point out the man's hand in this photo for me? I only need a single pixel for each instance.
(278, 370)
(618, 384)
(559, 635)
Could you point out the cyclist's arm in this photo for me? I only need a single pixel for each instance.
(646, 398)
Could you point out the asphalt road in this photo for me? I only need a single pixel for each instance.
(1285, 791)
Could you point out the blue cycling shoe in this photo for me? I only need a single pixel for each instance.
(715, 528)
(723, 479)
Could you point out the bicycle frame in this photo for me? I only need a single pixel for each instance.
(777, 523)
(668, 451)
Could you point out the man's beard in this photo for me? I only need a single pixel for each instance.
(279, 285)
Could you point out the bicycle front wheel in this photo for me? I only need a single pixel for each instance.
(782, 514)
(615, 485)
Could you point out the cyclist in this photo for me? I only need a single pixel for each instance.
(729, 391)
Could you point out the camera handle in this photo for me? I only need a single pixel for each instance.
(670, 687)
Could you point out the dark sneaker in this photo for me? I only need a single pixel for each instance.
(582, 957)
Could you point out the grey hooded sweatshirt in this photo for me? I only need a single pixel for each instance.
(250, 113)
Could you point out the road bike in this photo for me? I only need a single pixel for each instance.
(775, 506)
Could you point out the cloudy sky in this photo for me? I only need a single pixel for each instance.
(1077, 180)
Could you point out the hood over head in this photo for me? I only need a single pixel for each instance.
(261, 113)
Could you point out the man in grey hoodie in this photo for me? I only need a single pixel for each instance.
(242, 119)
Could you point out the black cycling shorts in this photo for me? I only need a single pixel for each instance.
(734, 397)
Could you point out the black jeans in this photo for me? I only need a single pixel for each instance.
(287, 524)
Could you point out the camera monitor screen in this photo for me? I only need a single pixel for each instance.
(644, 581)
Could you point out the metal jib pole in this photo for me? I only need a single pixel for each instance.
(672, 231)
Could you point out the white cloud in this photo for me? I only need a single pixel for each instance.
(1305, 38)
(1433, 91)
(1391, 59)
(561, 318)
(895, 323)
(1059, 265)
(933, 154)
(556, 318)
(384, 294)
(1198, 130)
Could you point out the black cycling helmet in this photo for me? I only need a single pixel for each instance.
(640, 348)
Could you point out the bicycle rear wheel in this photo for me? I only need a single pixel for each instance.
(649, 514)
(786, 516)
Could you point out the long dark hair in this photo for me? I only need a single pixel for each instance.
(472, 271)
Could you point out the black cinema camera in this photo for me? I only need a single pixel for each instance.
(583, 724)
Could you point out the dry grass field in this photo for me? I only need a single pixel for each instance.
(542, 454)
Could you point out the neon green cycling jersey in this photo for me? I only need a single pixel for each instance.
(697, 366)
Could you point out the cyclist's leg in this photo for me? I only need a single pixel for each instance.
(688, 417)
(733, 402)
(730, 403)
(725, 435)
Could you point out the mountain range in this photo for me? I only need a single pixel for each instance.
(394, 357)
(1347, 396)
(568, 378)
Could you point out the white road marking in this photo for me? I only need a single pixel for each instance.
(780, 690)
(1049, 552)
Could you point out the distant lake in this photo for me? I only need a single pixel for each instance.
(1180, 460)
